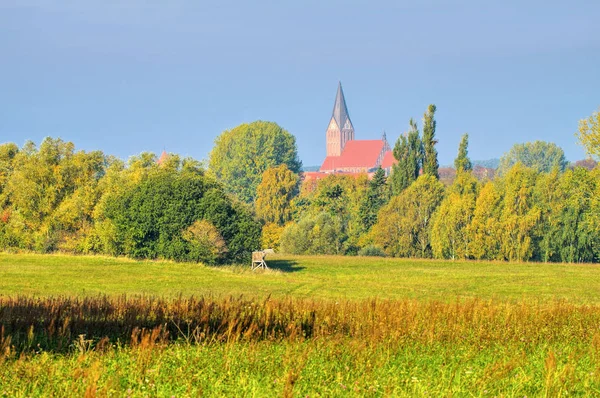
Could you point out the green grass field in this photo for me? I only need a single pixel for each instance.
(380, 327)
(319, 277)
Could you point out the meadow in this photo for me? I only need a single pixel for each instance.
(315, 277)
(309, 326)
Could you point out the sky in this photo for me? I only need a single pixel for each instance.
(127, 76)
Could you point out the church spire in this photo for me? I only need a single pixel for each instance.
(340, 111)
(340, 129)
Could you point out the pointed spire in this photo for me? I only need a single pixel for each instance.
(163, 157)
(386, 145)
(340, 111)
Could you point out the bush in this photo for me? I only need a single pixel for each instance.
(320, 234)
(371, 251)
(150, 219)
(205, 242)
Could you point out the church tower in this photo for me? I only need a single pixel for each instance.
(340, 129)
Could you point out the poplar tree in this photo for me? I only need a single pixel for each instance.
(430, 160)
(462, 161)
(375, 197)
(408, 151)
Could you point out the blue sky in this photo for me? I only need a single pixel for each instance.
(127, 76)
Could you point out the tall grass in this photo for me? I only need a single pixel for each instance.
(144, 346)
(56, 324)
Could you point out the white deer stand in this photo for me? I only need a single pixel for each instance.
(258, 260)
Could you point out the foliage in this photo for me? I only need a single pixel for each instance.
(241, 156)
(323, 233)
(274, 194)
(205, 244)
(341, 197)
(376, 196)
(271, 235)
(520, 214)
(371, 251)
(541, 156)
(408, 151)
(403, 226)
(149, 218)
(564, 234)
(462, 161)
(449, 232)
(589, 134)
(430, 160)
(484, 230)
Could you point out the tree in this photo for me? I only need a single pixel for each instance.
(449, 231)
(315, 234)
(430, 160)
(520, 213)
(152, 219)
(408, 152)
(376, 196)
(462, 161)
(589, 134)
(403, 225)
(484, 230)
(566, 202)
(274, 194)
(541, 156)
(241, 156)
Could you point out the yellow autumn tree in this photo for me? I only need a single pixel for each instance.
(589, 134)
(484, 230)
(449, 232)
(403, 225)
(274, 194)
(520, 214)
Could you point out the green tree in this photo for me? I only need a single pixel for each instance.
(589, 134)
(315, 234)
(376, 196)
(566, 202)
(462, 161)
(430, 160)
(8, 152)
(152, 219)
(408, 152)
(403, 226)
(274, 194)
(241, 156)
(541, 156)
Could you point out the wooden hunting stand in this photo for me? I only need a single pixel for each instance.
(258, 260)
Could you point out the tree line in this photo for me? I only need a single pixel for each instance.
(252, 195)
(54, 198)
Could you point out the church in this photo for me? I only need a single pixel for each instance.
(345, 155)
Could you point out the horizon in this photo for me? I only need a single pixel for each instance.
(129, 77)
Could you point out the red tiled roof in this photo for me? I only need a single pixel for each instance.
(388, 160)
(318, 175)
(313, 175)
(357, 153)
(330, 163)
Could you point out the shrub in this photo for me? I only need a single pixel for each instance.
(372, 251)
(205, 242)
